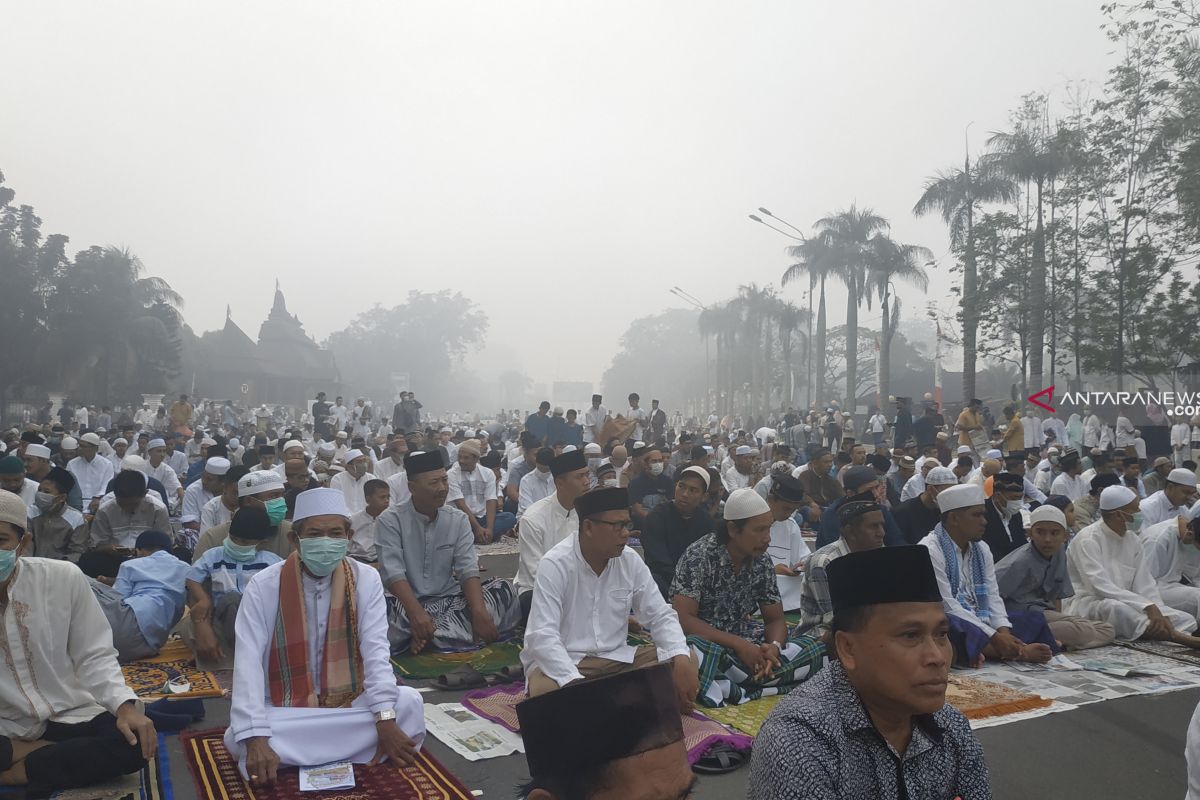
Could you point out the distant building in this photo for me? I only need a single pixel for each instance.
(285, 367)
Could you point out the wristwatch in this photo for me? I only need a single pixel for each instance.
(385, 716)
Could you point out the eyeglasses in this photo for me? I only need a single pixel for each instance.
(621, 525)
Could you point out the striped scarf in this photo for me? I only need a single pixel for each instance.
(288, 674)
(978, 603)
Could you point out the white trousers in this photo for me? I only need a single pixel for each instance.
(1185, 598)
(1129, 622)
(309, 737)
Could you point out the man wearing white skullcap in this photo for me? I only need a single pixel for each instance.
(162, 471)
(91, 471)
(265, 490)
(1034, 577)
(980, 628)
(1170, 501)
(721, 582)
(310, 685)
(1112, 577)
(200, 492)
(351, 482)
(1171, 549)
(741, 473)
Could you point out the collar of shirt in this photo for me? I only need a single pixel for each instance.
(855, 717)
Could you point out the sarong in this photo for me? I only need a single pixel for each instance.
(969, 641)
(725, 680)
(453, 621)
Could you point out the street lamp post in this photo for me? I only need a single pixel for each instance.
(687, 298)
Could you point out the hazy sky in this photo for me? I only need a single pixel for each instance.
(562, 164)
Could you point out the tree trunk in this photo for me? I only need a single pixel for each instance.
(969, 311)
(885, 353)
(819, 348)
(851, 345)
(1037, 298)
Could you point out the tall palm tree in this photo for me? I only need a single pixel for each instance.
(956, 195)
(813, 260)
(892, 261)
(722, 323)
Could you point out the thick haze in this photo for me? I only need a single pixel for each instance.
(539, 157)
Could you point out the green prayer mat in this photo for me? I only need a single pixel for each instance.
(747, 718)
(486, 660)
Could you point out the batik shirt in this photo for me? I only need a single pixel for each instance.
(819, 744)
(727, 599)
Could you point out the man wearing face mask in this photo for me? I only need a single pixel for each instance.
(215, 585)
(1005, 529)
(59, 531)
(1112, 577)
(595, 457)
(263, 490)
(312, 684)
(919, 515)
(651, 488)
(861, 484)
(351, 482)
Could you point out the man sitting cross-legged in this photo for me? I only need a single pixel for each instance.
(312, 675)
(585, 588)
(427, 560)
(67, 719)
(1172, 552)
(720, 582)
(979, 626)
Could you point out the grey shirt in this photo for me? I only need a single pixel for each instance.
(112, 525)
(435, 556)
(1028, 581)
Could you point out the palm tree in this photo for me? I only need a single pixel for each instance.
(813, 259)
(722, 322)
(892, 261)
(956, 195)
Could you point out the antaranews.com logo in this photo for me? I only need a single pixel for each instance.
(1175, 403)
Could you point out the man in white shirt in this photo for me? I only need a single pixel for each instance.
(200, 492)
(362, 525)
(788, 548)
(309, 686)
(1112, 578)
(221, 508)
(473, 491)
(351, 482)
(340, 415)
(67, 719)
(741, 472)
(1181, 441)
(91, 471)
(393, 461)
(586, 587)
(638, 415)
(120, 446)
(162, 472)
(1124, 431)
(1091, 430)
(549, 521)
(1172, 500)
(1070, 482)
(537, 483)
(1171, 550)
(593, 420)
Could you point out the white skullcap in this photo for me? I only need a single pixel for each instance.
(216, 466)
(320, 502)
(38, 451)
(155, 443)
(1193, 512)
(90, 438)
(208, 442)
(708, 449)
(957, 497)
(341, 435)
(1184, 477)
(557, 410)
(993, 453)
(1114, 497)
(69, 443)
(325, 447)
(746, 503)
(351, 455)
(964, 450)
(698, 471)
(120, 440)
(293, 443)
(570, 448)
(743, 450)
(446, 429)
(1052, 451)
(591, 448)
(235, 443)
(1047, 513)
(263, 480)
(133, 462)
(941, 476)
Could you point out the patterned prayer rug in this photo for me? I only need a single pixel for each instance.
(147, 678)
(216, 777)
(486, 660)
(978, 699)
(699, 732)
(747, 717)
(1177, 652)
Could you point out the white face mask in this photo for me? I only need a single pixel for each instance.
(1013, 507)
(610, 482)
(656, 469)
(594, 463)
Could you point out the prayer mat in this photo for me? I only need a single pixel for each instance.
(1177, 652)
(748, 717)
(486, 660)
(978, 699)
(216, 777)
(700, 733)
(147, 678)
(507, 545)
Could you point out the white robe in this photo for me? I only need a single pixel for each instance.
(1169, 561)
(313, 736)
(789, 549)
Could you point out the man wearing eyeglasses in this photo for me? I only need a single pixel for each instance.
(587, 587)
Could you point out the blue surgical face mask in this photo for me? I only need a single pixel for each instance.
(322, 554)
(276, 510)
(240, 553)
(8, 562)
(1134, 525)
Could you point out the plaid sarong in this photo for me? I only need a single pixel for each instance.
(725, 680)
(288, 675)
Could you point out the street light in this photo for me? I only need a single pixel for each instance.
(798, 236)
(688, 298)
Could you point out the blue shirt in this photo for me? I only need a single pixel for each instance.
(225, 574)
(538, 425)
(153, 586)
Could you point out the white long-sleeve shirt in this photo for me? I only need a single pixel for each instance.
(999, 619)
(255, 630)
(1073, 487)
(93, 476)
(1124, 432)
(577, 613)
(544, 525)
(194, 498)
(1181, 435)
(1157, 508)
(534, 486)
(1091, 431)
(214, 513)
(62, 666)
(398, 484)
(165, 474)
(789, 549)
(734, 480)
(1167, 559)
(1107, 566)
(352, 489)
(387, 468)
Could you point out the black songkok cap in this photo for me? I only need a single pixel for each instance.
(848, 512)
(64, 480)
(263, 450)
(568, 462)
(1007, 480)
(420, 461)
(597, 501)
(586, 725)
(787, 488)
(544, 455)
(251, 522)
(32, 437)
(491, 460)
(883, 575)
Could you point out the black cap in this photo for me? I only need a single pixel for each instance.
(568, 462)
(854, 509)
(597, 501)
(32, 437)
(1007, 480)
(586, 725)
(787, 488)
(251, 522)
(883, 575)
(420, 461)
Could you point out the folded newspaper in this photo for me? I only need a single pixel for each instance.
(471, 736)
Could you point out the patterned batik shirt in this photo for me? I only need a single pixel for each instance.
(819, 744)
(727, 599)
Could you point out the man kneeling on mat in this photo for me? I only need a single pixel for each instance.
(312, 677)
(67, 719)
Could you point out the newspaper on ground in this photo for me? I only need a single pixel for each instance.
(471, 736)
